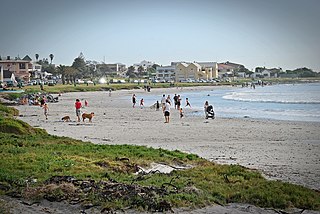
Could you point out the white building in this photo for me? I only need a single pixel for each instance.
(266, 73)
(36, 70)
(112, 68)
(166, 73)
(144, 64)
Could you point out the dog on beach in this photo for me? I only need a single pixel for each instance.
(89, 116)
(66, 119)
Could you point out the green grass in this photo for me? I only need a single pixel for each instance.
(29, 153)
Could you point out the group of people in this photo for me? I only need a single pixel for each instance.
(166, 103)
(38, 101)
(134, 101)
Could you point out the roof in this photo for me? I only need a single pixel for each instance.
(229, 65)
(183, 64)
(224, 66)
(195, 64)
(13, 61)
(27, 58)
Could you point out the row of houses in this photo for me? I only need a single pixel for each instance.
(23, 69)
(182, 71)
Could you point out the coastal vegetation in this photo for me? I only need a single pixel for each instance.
(35, 165)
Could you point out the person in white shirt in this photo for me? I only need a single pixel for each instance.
(166, 111)
(163, 101)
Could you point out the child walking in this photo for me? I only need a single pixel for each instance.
(187, 103)
(45, 110)
(181, 113)
(142, 103)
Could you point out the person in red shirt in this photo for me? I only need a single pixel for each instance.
(78, 106)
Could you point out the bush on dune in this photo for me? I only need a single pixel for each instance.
(8, 125)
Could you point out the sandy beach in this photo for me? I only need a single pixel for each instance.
(281, 150)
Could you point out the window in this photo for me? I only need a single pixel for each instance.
(22, 65)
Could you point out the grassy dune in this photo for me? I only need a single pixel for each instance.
(30, 158)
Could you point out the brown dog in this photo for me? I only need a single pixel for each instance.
(66, 119)
(89, 116)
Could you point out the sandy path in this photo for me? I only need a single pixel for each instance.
(288, 151)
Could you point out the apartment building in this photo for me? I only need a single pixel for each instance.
(196, 71)
(166, 73)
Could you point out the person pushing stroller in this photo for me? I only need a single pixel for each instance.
(209, 110)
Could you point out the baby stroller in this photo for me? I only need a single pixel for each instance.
(210, 112)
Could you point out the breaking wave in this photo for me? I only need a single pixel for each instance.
(242, 97)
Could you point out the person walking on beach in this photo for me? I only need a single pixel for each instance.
(166, 111)
(141, 103)
(178, 102)
(187, 103)
(157, 105)
(42, 101)
(181, 113)
(78, 106)
(169, 99)
(133, 100)
(175, 100)
(45, 110)
(206, 104)
(86, 103)
(110, 92)
(163, 101)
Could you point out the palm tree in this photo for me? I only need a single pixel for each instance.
(37, 57)
(62, 70)
(51, 57)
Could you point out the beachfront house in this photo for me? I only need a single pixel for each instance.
(116, 69)
(266, 73)
(210, 69)
(229, 69)
(19, 67)
(144, 65)
(166, 73)
(36, 71)
(196, 71)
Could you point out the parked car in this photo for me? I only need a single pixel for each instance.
(79, 81)
(88, 82)
(10, 83)
(33, 82)
(21, 84)
(51, 82)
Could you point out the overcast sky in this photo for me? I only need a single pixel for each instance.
(272, 33)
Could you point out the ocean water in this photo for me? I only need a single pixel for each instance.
(294, 102)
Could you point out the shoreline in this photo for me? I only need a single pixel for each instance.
(280, 150)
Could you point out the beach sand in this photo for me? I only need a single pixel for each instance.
(281, 150)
